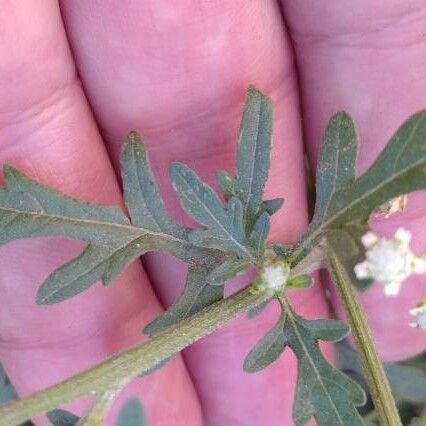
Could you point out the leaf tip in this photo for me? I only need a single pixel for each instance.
(9, 171)
(249, 367)
(342, 118)
(148, 330)
(253, 90)
(342, 114)
(177, 168)
(134, 143)
(41, 297)
(255, 95)
(157, 325)
(134, 137)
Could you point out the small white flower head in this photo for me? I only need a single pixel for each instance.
(389, 262)
(274, 276)
(419, 314)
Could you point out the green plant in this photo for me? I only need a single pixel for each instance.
(232, 238)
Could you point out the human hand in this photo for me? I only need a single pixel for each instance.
(177, 72)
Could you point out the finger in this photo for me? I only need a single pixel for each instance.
(178, 72)
(46, 130)
(370, 61)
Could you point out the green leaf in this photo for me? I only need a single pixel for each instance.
(227, 270)
(147, 210)
(227, 184)
(93, 264)
(322, 391)
(102, 263)
(344, 203)
(7, 391)
(131, 414)
(197, 294)
(61, 417)
(225, 228)
(326, 329)
(272, 206)
(28, 209)
(335, 169)
(259, 235)
(268, 349)
(143, 199)
(400, 169)
(257, 310)
(254, 145)
(97, 263)
(253, 160)
(336, 164)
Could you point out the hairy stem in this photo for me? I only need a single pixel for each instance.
(378, 383)
(126, 365)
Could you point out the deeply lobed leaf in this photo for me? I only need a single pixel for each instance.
(344, 204)
(400, 169)
(28, 209)
(224, 226)
(322, 391)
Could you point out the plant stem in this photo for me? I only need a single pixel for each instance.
(126, 365)
(381, 394)
(99, 409)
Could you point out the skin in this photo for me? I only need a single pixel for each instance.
(75, 77)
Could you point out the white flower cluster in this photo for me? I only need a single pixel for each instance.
(419, 314)
(389, 262)
(275, 276)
